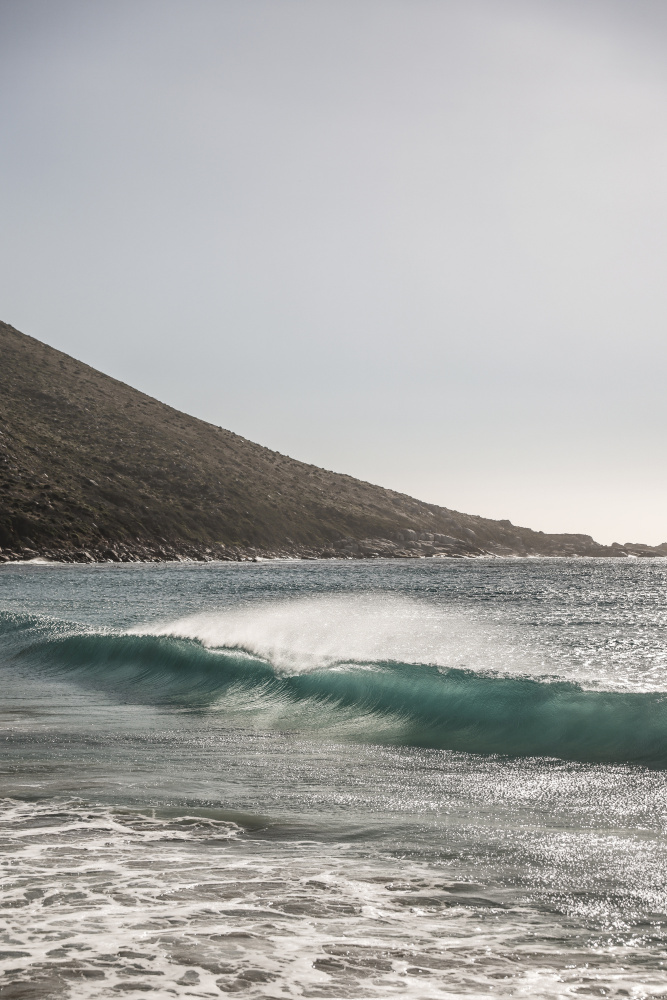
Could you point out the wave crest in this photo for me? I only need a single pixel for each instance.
(391, 702)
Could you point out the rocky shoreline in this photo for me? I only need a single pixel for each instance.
(405, 545)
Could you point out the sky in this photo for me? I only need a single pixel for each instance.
(422, 242)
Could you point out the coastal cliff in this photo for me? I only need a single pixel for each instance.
(92, 470)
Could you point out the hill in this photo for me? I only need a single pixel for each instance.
(91, 470)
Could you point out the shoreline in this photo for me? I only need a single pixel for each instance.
(86, 558)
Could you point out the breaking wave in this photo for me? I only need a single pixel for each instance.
(392, 702)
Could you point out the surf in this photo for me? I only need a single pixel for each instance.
(380, 701)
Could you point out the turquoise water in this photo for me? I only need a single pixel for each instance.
(334, 779)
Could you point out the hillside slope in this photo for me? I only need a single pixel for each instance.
(91, 469)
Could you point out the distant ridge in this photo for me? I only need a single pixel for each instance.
(93, 470)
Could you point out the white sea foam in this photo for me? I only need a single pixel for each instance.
(101, 902)
(309, 633)
(304, 634)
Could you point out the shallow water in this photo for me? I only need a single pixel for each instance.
(325, 779)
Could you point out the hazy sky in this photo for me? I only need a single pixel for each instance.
(420, 241)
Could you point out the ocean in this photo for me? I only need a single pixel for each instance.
(338, 779)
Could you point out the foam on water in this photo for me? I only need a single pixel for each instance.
(105, 901)
(302, 634)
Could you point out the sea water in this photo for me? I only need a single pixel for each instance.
(428, 778)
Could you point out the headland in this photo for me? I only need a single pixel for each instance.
(92, 470)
